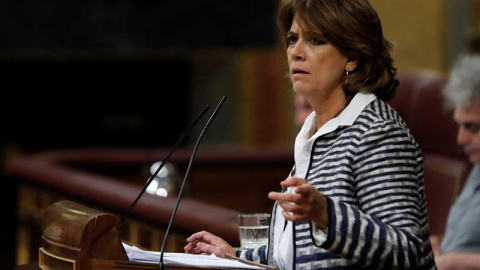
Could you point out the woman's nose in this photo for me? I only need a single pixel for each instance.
(298, 51)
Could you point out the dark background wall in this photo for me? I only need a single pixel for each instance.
(117, 65)
(82, 103)
(120, 24)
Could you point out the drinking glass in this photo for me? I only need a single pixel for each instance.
(253, 229)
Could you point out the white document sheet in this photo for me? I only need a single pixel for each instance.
(138, 255)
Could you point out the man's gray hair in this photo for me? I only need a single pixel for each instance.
(463, 85)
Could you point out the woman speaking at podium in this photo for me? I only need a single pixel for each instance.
(355, 198)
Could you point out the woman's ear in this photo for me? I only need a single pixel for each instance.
(351, 65)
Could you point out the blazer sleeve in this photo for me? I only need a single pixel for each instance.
(388, 227)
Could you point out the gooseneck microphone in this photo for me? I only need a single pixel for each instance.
(167, 232)
(179, 140)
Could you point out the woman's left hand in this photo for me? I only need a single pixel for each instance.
(206, 243)
(306, 203)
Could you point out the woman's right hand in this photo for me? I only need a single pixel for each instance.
(205, 242)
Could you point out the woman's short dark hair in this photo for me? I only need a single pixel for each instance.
(354, 28)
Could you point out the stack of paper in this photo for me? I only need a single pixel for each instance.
(138, 255)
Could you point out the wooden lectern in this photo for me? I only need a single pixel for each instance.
(76, 237)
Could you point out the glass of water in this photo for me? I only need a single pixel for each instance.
(253, 229)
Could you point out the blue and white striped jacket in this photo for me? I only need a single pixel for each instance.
(371, 172)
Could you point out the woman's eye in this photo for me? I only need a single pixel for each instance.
(291, 40)
(316, 41)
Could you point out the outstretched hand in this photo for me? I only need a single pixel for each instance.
(305, 203)
(205, 242)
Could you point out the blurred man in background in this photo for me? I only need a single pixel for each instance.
(460, 247)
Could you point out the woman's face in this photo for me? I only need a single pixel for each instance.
(316, 66)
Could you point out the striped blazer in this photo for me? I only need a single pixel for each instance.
(371, 172)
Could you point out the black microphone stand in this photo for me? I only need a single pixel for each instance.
(167, 232)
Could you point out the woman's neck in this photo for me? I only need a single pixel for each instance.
(328, 108)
